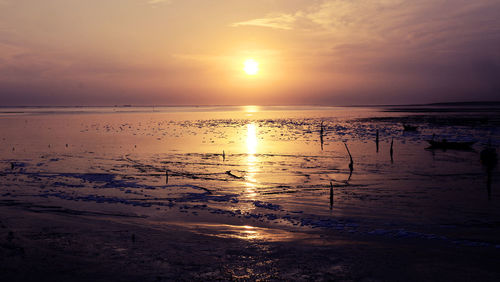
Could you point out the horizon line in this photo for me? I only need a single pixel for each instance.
(243, 105)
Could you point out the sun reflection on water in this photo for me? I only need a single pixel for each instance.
(251, 109)
(252, 161)
(252, 141)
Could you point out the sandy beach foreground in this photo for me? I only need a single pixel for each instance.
(40, 243)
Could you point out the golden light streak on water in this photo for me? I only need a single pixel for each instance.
(251, 109)
(252, 161)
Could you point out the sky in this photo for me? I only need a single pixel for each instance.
(191, 52)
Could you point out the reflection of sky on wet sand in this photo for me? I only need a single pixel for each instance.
(244, 232)
(257, 233)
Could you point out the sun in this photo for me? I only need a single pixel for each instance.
(251, 67)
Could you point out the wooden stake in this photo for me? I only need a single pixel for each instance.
(392, 151)
(331, 195)
(321, 132)
(351, 163)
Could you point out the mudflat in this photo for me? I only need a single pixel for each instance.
(228, 193)
(43, 245)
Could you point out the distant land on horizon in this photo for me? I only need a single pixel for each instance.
(447, 104)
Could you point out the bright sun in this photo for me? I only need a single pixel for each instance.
(251, 67)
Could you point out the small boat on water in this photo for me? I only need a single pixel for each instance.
(408, 127)
(444, 144)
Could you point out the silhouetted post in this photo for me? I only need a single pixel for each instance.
(351, 163)
(223, 155)
(12, 166)
(166, 177)
(321, 132)
(376, 140)
(392, 151)
(331, 195)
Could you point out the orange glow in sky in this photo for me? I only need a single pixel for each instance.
(174, 52)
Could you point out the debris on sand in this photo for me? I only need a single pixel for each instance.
(233, 175)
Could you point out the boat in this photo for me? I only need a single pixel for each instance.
(444, 144)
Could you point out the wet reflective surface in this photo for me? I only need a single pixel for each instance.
(258, 173)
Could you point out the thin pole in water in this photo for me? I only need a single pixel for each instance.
(351, 163)
(321, 133)
(392, 151)
(331, 195)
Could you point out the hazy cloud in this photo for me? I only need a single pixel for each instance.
(283, 21)
(377, 20)
(154, 2)
(438, 42)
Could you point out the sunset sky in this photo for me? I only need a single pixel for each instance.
(192, 52)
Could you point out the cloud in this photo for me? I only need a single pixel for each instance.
(155, 2)
(448, 47)
(282, 21)
(392, 28)
(381, 18)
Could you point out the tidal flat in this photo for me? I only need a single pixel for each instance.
(248, 193)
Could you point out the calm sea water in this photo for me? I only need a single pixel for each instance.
(257, 167)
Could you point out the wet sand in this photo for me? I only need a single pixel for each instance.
(41, 245)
